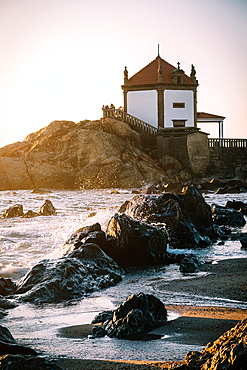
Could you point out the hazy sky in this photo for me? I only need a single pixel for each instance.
(64, 59)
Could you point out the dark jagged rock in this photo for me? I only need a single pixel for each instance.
(14, 211)
(190, 264)
(73, 276)
(7, 286)
(228, 352)
(87, 234)
(138, 314)
(133, 243)
(227, 216)
(24, 362)
(9, 345)
(47, 209)
(187, 216)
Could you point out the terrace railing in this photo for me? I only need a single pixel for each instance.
(227, 143)
(136, 123)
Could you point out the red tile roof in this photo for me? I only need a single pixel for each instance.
(203, 115)
(149, 74)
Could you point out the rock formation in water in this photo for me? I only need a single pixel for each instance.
(73, 276)
(47, 209)
(65, 155)
(138, 314)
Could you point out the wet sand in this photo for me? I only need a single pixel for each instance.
(195, 325)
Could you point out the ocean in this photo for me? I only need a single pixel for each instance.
(26, 241)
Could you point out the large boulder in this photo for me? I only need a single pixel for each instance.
(72, 276)
(134, 243)
(188, 217)
(66, 155)
(228, 352)
(138, 314)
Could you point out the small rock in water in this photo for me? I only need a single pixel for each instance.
(14, 211)
(47, 209)
(190, 264)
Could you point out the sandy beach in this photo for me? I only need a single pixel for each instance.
(194, 325)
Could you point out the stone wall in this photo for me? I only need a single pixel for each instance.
(227, 162)
(190, 148)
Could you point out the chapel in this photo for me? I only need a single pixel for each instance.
(162, 95)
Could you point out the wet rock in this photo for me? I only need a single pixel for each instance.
(190, 264)
(237, 205)
(30, 214)
(138, 314)
(14, 211)
(87, 234)
(212, 184)
(9, 345)
(3, 313)
(7, 286)
(243, 241)
(228, 352)
(6, 303)
(102, 317)
(134, 243)
(188, 217)
(47, 209)
(72, 276)
(227, 216)
(24, 362)
(97, 332)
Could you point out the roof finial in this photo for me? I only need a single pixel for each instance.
(158, 50)
(178, 65)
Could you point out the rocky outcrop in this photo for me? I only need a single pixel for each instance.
(228, 352)
(188, 217)
(72, 276)
(9, 345)
(138, 314)
(134, 243)
(65, 155)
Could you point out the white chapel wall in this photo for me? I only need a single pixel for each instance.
(170, 113)
(143, 105)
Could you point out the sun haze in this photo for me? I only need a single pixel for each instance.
(64, 59)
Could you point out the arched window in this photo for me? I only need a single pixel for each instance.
(179, 80)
